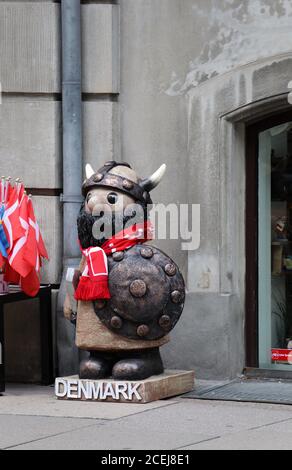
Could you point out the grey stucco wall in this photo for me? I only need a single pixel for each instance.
(185, 68)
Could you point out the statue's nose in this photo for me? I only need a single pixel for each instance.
(97, 208)
(93, 201)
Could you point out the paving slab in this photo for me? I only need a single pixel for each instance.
(208, 418)
(15, 430)
(40, 401)
(248, 440)
(280, 427)
(170, 424)
(186, 424)
(109, 438)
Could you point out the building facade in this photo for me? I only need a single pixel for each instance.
(195, 84)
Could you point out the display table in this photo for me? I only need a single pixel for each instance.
(44, 296)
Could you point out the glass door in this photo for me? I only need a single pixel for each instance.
(275, 247)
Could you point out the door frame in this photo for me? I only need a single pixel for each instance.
(251, 231)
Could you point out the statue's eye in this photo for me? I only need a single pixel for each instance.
(112, 198)
(88, 197)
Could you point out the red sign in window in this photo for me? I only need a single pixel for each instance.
(282, 355)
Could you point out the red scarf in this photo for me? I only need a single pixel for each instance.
(93, 283)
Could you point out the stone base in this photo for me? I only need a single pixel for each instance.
(169, 384)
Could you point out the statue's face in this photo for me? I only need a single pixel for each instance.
(104, 213)
(101, 201)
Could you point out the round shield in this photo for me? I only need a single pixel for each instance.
(147, 294)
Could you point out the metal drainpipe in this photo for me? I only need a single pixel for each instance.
(72, 121)
(72, 168)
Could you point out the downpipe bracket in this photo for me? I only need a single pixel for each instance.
(71, 199)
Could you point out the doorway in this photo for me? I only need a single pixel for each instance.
(269, 243)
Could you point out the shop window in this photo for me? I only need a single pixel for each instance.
(275, 247)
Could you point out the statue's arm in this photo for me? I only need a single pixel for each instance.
(70, 304)
(67, 307)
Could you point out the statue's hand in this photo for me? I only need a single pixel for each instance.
(67, 307)
(76, 278)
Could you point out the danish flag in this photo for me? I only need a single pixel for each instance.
(35, 247)
(16, 256)
(31, 283)
(11, 220)
(26, 245)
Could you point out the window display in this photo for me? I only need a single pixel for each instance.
(275, 247)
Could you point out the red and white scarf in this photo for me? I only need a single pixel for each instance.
(93, 283)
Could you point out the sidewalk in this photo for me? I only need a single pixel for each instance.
(31, 418)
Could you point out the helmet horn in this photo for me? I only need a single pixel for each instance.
(89, 171)
(150, 183)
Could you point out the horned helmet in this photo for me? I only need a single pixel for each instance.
(116, 185)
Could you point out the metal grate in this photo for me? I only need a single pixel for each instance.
(264, 391)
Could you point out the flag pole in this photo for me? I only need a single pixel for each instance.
(18, 183)
(8, 179)
(3, 189)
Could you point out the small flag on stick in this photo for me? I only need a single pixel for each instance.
(21, 244)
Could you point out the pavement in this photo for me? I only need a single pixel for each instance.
(32, 418)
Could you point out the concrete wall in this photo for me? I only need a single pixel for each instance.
(186, 68)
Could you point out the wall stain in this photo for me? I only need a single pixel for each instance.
(240, 32)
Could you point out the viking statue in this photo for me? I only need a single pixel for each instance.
(129, 294)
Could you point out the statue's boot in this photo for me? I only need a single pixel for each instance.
(138, 365)
(97, 366)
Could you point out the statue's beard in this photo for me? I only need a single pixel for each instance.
(95, 235)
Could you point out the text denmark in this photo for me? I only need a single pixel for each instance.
(93, 390)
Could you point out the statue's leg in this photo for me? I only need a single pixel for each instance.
(138, 365)
(97, 366)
